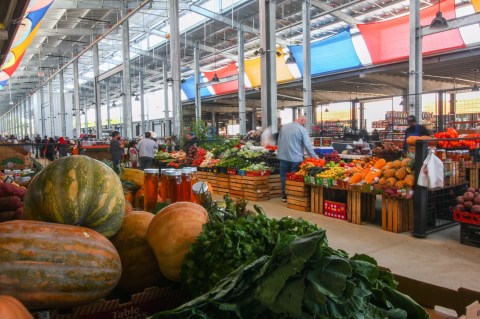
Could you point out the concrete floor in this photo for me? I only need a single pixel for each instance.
(439, 259)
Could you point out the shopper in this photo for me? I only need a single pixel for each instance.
(116, 149)
(414, 130)
(62, 147)
(147, 148)
(44, 145)
(292, 142)
(50, 149)
(133, 154)
(190, 141)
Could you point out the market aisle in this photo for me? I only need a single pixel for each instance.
(439, 259)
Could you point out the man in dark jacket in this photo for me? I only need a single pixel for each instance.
(414, 130)
(116, 149)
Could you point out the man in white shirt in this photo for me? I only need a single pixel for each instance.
(146, 151)
(293, 141)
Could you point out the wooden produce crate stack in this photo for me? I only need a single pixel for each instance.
(223, 184)
(275, 186)
(298, 195)
(360, 207)
(397, 214)
(235, 187)
(256, 188)
(474, 175)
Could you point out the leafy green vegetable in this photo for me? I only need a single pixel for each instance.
(224, 246)
(303, 278)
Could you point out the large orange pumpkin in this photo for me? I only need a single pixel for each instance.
(139, 265)
(11, 308)
(171, 233)
(77, 190)
(47, 265)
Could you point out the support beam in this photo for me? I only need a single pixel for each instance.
(105, 4)
(127, 88)
(198, 98)
(242, 105)
(30, 116)
(96, 91)
(42, 111)
(62, 114)
(143, 124)
(107, 97)
(76, 99)
(52, 114)
(168, 131)
(218, 17)
(111, 72)
(453, 24)
(175, 67)
(337, 13)
(415, 61)
(66, 32)
(307, 66)
(268, 64)
(440, 119)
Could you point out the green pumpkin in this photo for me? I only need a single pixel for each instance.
(77, 190)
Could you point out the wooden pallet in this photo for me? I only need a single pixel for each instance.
(316, 199)
(297, 189)
(397, 214)
(301, 203)
(360, 207)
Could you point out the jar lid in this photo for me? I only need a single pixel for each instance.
(175, 172)
(186, 170)
(164, 170)
(151, 171)
(194, 169)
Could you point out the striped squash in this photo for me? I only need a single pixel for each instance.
(47, 265)
(77, 190)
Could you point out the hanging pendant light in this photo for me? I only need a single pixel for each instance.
(439, 21)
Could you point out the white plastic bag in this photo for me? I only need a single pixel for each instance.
(431, 174)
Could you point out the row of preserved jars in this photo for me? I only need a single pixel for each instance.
(172, 185)
(455, 156)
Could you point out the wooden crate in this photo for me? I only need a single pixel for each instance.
(256, 188)
(360, 207)
(298, 196)
(223, 182)
(297, 189)
(275, 186)
(316, 199)
(397, 214)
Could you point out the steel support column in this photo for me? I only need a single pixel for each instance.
(143, 126)
(25, 118)
(415, 61)
(52, 112)
(168, 130)
(127, 88)
(242, 102)
(42, 112)
(96, 91)
(30, 116)
(307, 65)
(63, 114)
(198, 97)
(76, 98)
(440, 106)
(268, 64)
(107, 94)
(353, 114)
(175, 67)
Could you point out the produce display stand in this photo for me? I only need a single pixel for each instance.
(15, 156)
(275, 186)
(298, 195)
(360, 207)
(98, 152)
(397, 214)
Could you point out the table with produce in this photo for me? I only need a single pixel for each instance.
(72, 249)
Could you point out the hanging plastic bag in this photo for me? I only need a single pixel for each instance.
(431, 174)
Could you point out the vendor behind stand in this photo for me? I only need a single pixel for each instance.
(414, 130)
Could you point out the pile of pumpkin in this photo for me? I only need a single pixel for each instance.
(366, 171)
(79, 240)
